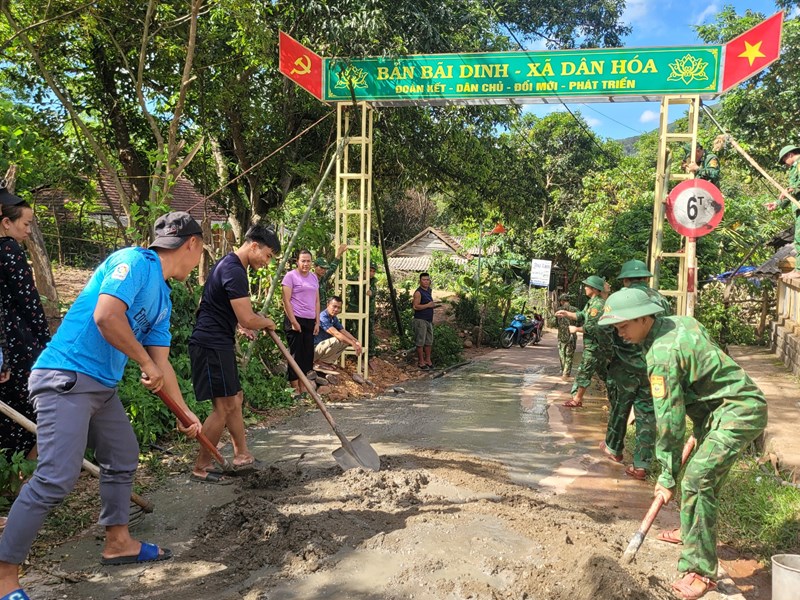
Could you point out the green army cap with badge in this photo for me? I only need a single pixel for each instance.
(595, 281)
(628, 304)
(564, 297)
(321, 262)
(785, 150)
(687, 149)
(634, 269)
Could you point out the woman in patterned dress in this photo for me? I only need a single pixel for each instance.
(25, 326)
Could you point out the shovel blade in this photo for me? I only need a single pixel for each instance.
(358, 454)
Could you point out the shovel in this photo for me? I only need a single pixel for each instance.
(91, 468)
(638, 539)
(204, 441)
(353, 453)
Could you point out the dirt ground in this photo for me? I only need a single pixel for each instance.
(430, 525)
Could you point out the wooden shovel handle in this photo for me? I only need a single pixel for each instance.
(90, 468)
(302, 376)
(186, 422)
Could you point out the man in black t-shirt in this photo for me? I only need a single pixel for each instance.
(215, 376)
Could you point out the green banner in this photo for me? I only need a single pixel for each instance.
(555, 74)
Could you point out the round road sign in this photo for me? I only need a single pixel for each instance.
(695, 207)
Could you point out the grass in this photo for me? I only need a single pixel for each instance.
(758, 516)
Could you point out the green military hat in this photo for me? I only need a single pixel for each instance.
(321, 262)
(785, 150)
(627, 304)
(563, 297)
(595, 281)
(687, 149)
(634, 269)
(373, 266)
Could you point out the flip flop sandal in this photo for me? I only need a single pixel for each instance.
(572, 404)
(636, 473)
(617, 458)
(147, 553)
(211, 478)
(670, 536)
(684, 588)
(16, 595)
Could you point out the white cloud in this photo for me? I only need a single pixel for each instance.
(592, 122)
(636, 11)
(709, 11)
(648, 116)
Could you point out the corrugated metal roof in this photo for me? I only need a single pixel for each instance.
(772, 266)
(417, 263)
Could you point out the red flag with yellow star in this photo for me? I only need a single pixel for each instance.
(754, 50)
(300, 64)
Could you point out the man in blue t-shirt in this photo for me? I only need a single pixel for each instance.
(122, 313)
(215, 376)
(332, 338)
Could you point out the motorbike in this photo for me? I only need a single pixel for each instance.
(521, 331)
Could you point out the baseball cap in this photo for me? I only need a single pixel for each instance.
(173, 229)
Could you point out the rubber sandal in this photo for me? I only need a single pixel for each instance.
(636, 473)
(424, 367)
(683, 586)
(147, 553)
(670, 536)
(617, 458)
(211, 478)
(16, 595)
(572, 403)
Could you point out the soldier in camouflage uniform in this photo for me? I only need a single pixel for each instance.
(790, 156)
(690, 376)
(628, 387)
(704, 166)
(596, 340)
(324, 270)
(566, 340)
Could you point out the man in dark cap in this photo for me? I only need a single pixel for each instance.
(122, 313)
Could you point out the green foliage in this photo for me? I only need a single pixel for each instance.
(757, 514)
(447, 346)
(13, 472)
(737, 324)
(467, 312)
(262, 390)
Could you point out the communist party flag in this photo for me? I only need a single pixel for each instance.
(752, 51)
(300, 64)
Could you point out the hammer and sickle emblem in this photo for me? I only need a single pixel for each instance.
(303, 66)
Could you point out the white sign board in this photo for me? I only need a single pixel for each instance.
(540, 272)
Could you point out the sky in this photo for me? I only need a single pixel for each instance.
(654, 23)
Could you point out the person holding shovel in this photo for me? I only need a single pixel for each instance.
(215, 375)
(790, 157)
(122, 313)
(690, 376)
(596, 341)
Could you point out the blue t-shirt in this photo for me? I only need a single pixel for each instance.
(216, 322)
(134, 276)
(326, 322)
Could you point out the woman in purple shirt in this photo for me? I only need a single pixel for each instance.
(301, 304)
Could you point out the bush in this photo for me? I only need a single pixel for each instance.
(447, 346)
(466, 312)
(13, 472)
(738, 324)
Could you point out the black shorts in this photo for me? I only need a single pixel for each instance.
(214, 373)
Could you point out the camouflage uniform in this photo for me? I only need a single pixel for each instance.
(709, 170)
(794, 183)
(323, 282)
(690, 375)
(596, 344)
(628, 388)
(566, 341)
